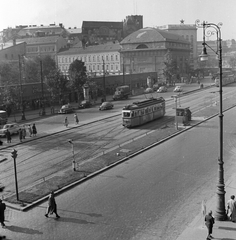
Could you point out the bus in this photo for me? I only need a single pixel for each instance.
(227, 78)
(3, 117)
(142, 112)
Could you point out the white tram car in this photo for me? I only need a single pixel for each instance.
(142, 112)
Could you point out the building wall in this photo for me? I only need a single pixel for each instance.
(51, 48)
(189, 32)
(94, 62)
(12, 52)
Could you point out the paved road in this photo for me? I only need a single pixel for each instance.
(151, 196)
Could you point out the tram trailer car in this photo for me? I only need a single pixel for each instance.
(142, 112)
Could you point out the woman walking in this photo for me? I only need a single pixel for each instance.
(66, 122)
(76, 119)
(30, 130)
(34, 130)
(52, 206)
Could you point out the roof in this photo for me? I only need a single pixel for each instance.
(89, 24)
(110, 47)
(147, 35)
(37, 40)
(74, 30)
(8, 44)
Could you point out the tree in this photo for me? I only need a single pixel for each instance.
(57, 85)
(32, 69)
(170, 70)
(9, 73)
(77, 75)
(232, 62)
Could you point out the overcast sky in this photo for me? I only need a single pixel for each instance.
(71, 13)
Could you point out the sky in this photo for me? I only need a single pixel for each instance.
(72, 13)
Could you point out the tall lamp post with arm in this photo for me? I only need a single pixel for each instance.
(210, 29)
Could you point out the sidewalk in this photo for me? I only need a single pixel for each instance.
(34, 114)
(222, 230)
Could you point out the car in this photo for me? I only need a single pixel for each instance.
(85, 104)
(162, 89)
(106, 106)
(178, 89)
(66, 109)
(148, 90)
(13, 128)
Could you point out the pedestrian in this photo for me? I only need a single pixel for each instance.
(30, 130)
(2, 215)
(23, 132)
(20, 134)
(209, 222)
(8, 136)
(52, 206)
(34, 130)
(66, 122)
(231, 209)
(76, 119)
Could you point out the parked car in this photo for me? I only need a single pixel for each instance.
(178, 89)
(148, 90)
(162, 89)
(13, 128)
(85, 104)
(66, 109)
(106, 106)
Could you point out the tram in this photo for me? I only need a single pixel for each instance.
(142, 112)
(227, 78)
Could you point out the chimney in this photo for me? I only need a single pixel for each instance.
(14, 41)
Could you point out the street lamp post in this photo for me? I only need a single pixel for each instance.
(41, 75)
(212, 28)
(104, 80)
(70, 141)
(21, 90)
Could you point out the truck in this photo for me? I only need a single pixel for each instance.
(122, 92)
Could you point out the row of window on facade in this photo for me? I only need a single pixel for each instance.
(40, 49)
(89, 58)
(94, 67)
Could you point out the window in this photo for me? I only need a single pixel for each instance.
(116, 57)
(93, 58)
(107, 58)
(126, 114)
(112, 58)
(97, 67)
(111, 67)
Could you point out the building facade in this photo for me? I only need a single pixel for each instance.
(145, 51)
(96, 58)
(10, 51)
(189, 32)
(43, 46)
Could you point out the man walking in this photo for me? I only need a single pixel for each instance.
(2, 215)
(209, 221)
(52, 206)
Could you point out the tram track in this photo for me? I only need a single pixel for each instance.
(91, 140)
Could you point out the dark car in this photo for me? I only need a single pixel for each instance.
(106, 106)
(85, 104)
(66, 109)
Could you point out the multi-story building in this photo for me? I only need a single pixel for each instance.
(96, 58)
(145, 51)
(11, 50)
(42, 46)
(37, 31)
(103, 32)
(189, 32)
